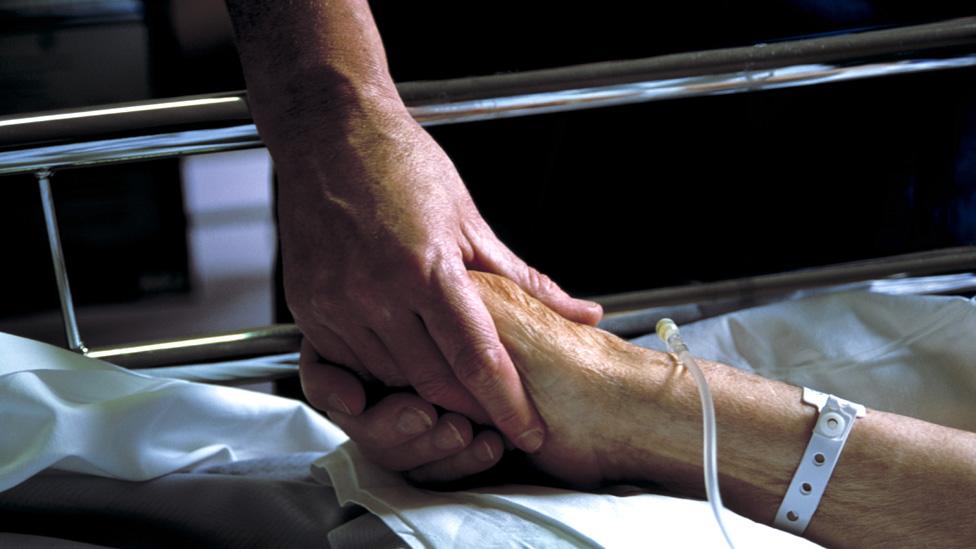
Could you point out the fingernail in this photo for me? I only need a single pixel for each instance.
(483, 452)
(336, 404)
(449, 438)
(413, 421)
(531, 440)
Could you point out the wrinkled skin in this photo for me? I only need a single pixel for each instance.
(582, 380)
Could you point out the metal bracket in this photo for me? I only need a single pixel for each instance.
(57, 258)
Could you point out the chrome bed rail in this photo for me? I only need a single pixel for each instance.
(165, 128)
(285, 338)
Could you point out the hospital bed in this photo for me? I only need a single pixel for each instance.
(43, 144)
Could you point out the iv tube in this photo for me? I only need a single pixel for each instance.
(667, 330)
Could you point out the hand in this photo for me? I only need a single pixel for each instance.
(377, 234)
(603, 400)
(599, 396)
(402, 432)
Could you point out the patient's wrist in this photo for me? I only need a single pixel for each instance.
(762, 430)
(652, 435)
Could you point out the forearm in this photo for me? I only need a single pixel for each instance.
(899, 480)
(326, 107)
(308, 63)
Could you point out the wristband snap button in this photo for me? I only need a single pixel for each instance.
(831, 424)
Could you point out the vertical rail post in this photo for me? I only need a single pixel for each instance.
(57, 258)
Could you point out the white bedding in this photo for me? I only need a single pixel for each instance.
(66, 412)
(908, 354)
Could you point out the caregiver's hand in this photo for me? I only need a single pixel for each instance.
(377, 233)
(377, 229)
(402, 431)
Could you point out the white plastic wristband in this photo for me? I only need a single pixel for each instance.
(836, 419)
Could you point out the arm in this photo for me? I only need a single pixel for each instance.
(377, 229)
(899, 480)
(309, 62)
(617, 412)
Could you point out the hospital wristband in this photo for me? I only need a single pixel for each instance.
(830, 433)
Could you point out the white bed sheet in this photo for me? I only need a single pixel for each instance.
(908, 354)
(70, 413)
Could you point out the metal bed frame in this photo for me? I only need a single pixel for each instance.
(43, 143)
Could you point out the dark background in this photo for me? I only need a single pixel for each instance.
(750, 183)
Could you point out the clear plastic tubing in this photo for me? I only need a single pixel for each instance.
(667, 330)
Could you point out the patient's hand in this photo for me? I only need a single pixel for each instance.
(587, 384)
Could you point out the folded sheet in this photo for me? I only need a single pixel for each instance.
(534, 516)
(67, 412)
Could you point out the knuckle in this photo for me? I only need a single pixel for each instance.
(438, 389)
(386, 371)
(416, 263)
(507, 416)
(478, 366)
(539, 282)
(379, 315)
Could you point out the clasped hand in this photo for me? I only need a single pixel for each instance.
(377, 234)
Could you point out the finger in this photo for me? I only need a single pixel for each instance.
(543, 288)
(465, 334)
(451, 435)
(392, 422)
(482, 454)
(424, 366)
(375, 357)
(329, 387)
(492, 255)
